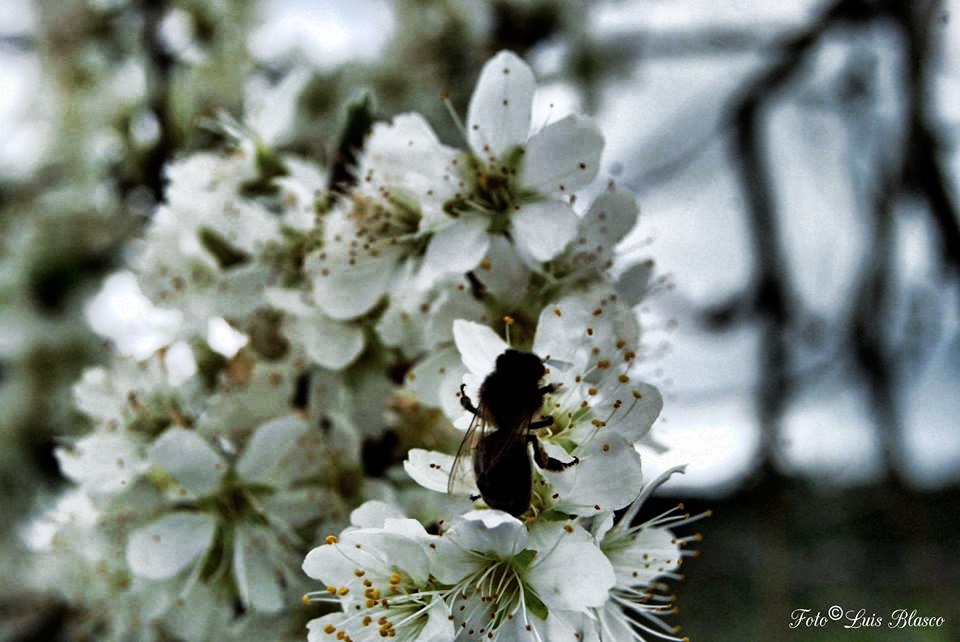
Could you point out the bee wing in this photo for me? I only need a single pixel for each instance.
(462, 481)
(517, 434)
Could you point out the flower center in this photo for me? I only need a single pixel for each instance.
(394, 606)
(491, 189)
(484, 600)
(394, 221)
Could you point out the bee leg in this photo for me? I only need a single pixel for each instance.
(548, 389)
(476, 497)
(544, 460)
(466, 402)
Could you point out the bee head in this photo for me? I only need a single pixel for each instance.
(525, 366)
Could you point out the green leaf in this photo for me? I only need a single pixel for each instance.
(224, 253)
(524, 558)
(357, 124)
(535, 605)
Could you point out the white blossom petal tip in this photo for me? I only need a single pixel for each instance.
(498, 117)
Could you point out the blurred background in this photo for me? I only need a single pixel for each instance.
(797, 169)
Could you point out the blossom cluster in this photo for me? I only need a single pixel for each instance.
(89, 128)
(308, 345)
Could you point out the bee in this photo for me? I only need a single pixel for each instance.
(502, 425)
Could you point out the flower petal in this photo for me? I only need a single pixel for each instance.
(330, 343)
(569, 554)
(436, 379)
(449, 305)
(499, 114)
(479, 346)
(394, 550)
(634, 284)
(607, 477)
(504, 274)
(346, 291)
(491, 533)
(457, 248)
(429, 468)
(438, 627)
(614, 621)
(373, 513)
(643, 403)
(317, 628)
(610, 217)
(544, 228)
(406, 155)
(189, 459)
(257, 580)
(267, 454)
(163, 548)
(652, 552)
(563, 156)
(376, 551)
(102, 462)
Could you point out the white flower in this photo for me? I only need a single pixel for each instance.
(214, 245)
(130, 403)
(82, 562)
(598, 408)
(520, 182)
(597, 338)
(404, 181)
(418, 321)
(132, 394)
(422, 202)
(327, 342)
(590, 257)
(486, 577)
(251, 391)
(242, 515)
(122, 313)
(641, 554)
(299, 190)
(103, 462)
(381, 577)
(508, 582)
